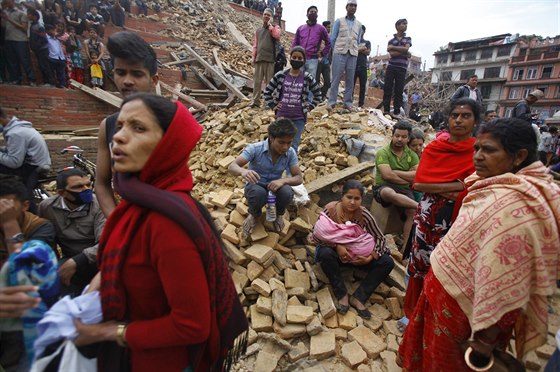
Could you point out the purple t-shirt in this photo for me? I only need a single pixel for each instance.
(290, 99)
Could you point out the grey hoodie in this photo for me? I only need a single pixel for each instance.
(24, 145)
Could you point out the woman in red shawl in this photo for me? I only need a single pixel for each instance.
(445, 163)
(493, 271)
(167, 296)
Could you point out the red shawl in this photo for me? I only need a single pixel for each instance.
(444, 161)
(163, 186)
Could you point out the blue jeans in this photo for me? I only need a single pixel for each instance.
(300, 125)
(343, 63)
(17, 53)
(553, 364)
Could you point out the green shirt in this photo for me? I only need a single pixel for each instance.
(385, 155)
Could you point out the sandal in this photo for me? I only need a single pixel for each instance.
(342, 309)
(279, 224)
(249, 224)
(363, 313)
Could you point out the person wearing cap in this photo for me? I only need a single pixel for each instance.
(396, 70)
(523, 108)
(345, 38)
(264, 54)
(310, 36)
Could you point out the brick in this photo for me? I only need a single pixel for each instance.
(289, 331)
(276, 284)
(242, 209)
(390, 326)
(341, 334)
(259, 253)
(258, 232)
(225, 162)
(390, 361)
(240, 281)
(380, 311)
(300, 225)
(298, 352)
(261, 287)
(347, 321)
(236, 219)
(280, 306)
(299, 314)
(270, 240)
(234, 253)
(394, 306)
(265, 362)
(322, 345)
(260, 322)
(268, 273)
(264, 305)
(331, 322)
(254, 270)
(223, 198)
(294, 278)
(326, 304)
(369, 341)
(230, 235)
(314, 326)
(352, 354)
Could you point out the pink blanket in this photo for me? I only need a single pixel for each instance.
(358, 242)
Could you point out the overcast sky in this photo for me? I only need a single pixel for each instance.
(434, 23)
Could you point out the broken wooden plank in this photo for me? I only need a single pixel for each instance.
(180, 62)
(329, 179)
(219, 76)
(218, 61)
(98, 93)
(183, 96)
(203, 78)
(86, 131)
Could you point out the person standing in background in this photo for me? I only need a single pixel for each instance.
(362, 67)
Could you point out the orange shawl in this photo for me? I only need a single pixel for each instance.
(502, 252)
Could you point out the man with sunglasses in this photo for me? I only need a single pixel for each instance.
(78, 222)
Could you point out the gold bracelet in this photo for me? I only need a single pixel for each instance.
(121, 329)
(487, 367)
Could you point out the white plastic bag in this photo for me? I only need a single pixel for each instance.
(301, 197)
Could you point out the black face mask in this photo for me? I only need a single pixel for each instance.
(296, 64)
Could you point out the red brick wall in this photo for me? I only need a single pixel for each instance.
(52, 107)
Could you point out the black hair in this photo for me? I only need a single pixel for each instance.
(312, 7)
(3, 113)
(282, 128)
(488, 112)
(353, 185)
(472, 76)
(363, 28)
(70, 28)
(326, 23)
(553, 130)
(33, 12)
(298, 49)
(402, 20)
(49, 27)
(12, 185)
(62, 177)
(60, 22)
(403, 125)
(514, 135)
(475, 107)
(92, 6)
(416, 134)
(162, 108)
(132, 48)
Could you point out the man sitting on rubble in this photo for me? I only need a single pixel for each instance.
(396, 167)
(268, 160)
(78, 221)
(26, 153)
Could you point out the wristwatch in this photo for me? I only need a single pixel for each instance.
(17, 238)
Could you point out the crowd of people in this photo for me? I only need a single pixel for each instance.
(65, 38)
(480, 210)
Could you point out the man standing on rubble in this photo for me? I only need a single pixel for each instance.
(345, 38)
(396, 70)
(310, 36)
(469, 90)
(324, 68)
(135, 71)
(264, 54)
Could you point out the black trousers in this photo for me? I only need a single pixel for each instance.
(324, 70)
(394, 80)
(377, 271)
(361, 73)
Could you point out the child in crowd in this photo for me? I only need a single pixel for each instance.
(39, 45)
(63, 37)
(95, 71)
(57, 59)
(74, 48)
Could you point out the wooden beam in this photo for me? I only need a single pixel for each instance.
(218, 75)
(203, 78)
(178, 93)
(179, 62)
(329, 179)
(98, 93)
(218, 61)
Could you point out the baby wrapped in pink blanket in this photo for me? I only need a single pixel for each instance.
(358, 242)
